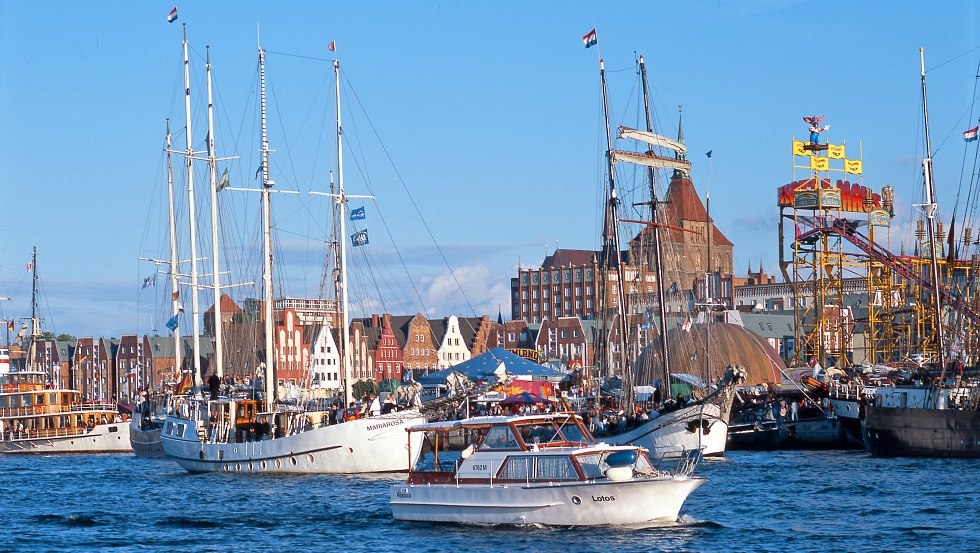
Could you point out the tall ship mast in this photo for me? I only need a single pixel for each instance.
(935, 416)
(700, 424)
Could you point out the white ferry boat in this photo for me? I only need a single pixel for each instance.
(38, 419)
(541, 469)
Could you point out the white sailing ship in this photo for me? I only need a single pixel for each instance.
(256, 435)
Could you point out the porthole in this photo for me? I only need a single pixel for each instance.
(576, 500)
(251, 468)
(278, 463)
(262, 465)
(238, 467)
(309, 457)
(292, 461)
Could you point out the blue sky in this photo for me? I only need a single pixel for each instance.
(489, 115)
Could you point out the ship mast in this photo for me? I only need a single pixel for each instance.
(267, 183)
(174, 281)
(930, 207)
(612, 261)
(658, 246)
(189, 156)
(213, 169)
(35, 320)
(342, 250)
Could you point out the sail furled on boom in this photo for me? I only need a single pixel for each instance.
(652, 139)
(650, 160)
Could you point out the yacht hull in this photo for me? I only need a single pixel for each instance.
(634, 502)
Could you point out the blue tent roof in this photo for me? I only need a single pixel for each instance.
(482, 366)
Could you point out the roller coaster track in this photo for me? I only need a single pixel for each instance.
(848, 231)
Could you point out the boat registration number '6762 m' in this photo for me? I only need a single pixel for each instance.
(480, 467)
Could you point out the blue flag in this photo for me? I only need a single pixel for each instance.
(358, 214)
(172, 323)
(359, 238)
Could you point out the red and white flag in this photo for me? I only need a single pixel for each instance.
(172, 16)
(332, 46)
(971, 134)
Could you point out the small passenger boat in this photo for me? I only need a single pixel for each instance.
(540, 469)
(37, 419)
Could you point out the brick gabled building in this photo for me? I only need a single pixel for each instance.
(292, 352)
(419, 346)
(95, 370)
(53, 357)
(388, 360)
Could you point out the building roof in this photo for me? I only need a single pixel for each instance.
(228, 305)
(566, 258)
(684, 204)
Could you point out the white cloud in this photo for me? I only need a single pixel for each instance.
(469, 291)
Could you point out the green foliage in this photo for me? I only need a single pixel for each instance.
(362, 387)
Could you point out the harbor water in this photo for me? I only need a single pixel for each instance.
(753, 501)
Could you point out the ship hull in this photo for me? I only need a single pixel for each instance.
(103, 438)
(686, 429)
(910, 432)
(146, 441)
(376, 444)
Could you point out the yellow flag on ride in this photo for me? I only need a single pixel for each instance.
(852, 166)
(819, 163)
(798, 148)
(835, 151)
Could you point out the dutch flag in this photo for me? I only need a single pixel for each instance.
(172, 16)
(971, 134)
(590, 39)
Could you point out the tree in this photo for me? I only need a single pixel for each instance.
(363, 387)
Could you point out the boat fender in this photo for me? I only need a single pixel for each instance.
(621, 458)
(619, 474)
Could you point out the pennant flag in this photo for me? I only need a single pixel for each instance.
(358, 214)
(332, 46)
(359, 238)
(852, 166)
(709, 154)
(819, 163)
(172, 16)
(172, 323)
(30, 266)
(225, 180)
(590, 39)
(835, 151)
(971, 134)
